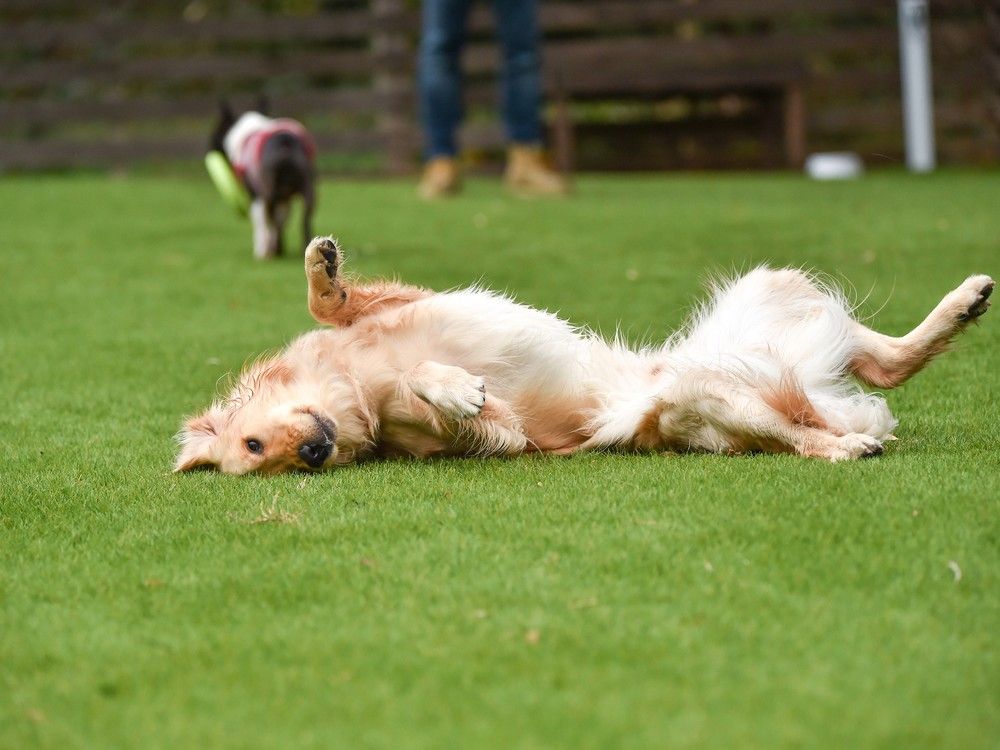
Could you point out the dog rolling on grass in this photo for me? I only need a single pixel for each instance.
(768, 363)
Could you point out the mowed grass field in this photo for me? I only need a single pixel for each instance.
(589, 602)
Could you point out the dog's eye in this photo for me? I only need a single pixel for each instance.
(254, 446)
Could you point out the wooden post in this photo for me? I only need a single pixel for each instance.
(563, 145)
(794, 125)
(391, 48)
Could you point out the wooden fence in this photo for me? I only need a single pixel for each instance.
(645, 83)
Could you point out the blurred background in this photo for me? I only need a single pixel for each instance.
(630, 84)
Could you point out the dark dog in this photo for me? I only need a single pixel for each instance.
(275, 160)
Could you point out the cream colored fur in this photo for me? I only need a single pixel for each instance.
(767, 364)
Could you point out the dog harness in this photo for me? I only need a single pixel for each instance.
(247, 161)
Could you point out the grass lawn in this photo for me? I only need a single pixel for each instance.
(596, 601)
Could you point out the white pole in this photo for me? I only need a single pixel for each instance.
(918, 102)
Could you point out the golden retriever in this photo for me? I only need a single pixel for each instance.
(769, 363)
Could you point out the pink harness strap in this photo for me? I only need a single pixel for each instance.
(247, 165)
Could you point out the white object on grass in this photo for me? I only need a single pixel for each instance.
(834, 165)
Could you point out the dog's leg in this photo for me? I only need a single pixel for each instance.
(887, 361)
(264, 234)
(258, 217)
(712, 413)
(334, 301)
(279, 215)
(461, 409)
(455, 393)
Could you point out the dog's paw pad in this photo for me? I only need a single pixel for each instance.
(323, 261)
(332, 261)
(324, 252)
(977, 291)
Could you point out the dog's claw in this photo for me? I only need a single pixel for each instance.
(981, 302)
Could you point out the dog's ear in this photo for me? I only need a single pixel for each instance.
(263, 104)
(197, 438)
(217, 139)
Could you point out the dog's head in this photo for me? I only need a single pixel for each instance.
(226, 119)
(274, 421)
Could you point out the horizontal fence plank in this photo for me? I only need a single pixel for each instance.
(356, 100)
(955, 79)
(189, 68)
(613, 15)
(616, 14)
(28, 154)
(128, 32)
(622, 57)
(887, 117)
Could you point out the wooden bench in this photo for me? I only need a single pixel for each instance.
(783, 85)
(649, 51)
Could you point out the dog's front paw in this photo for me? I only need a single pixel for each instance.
(460, 400)
(454, 392)
(973, 297)
(856, 445)
(323, 261)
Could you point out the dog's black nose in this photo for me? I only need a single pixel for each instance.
(315, 454)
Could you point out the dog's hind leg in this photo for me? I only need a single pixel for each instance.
(711, 412)
(279, 215)
(888, 361)
(335, 301)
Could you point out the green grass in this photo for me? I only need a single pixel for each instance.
(598, 601)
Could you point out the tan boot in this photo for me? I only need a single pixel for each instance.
(441, 178)
(528, 173)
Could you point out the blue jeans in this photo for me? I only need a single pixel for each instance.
(444, 27)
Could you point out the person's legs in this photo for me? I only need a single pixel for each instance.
(527, 172)
(517, 26)
(521, 93)
(440, 78)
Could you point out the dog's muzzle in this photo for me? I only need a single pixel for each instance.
(317, 449)
(314, 454)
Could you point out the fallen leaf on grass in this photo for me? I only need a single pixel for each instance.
(955, 570)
